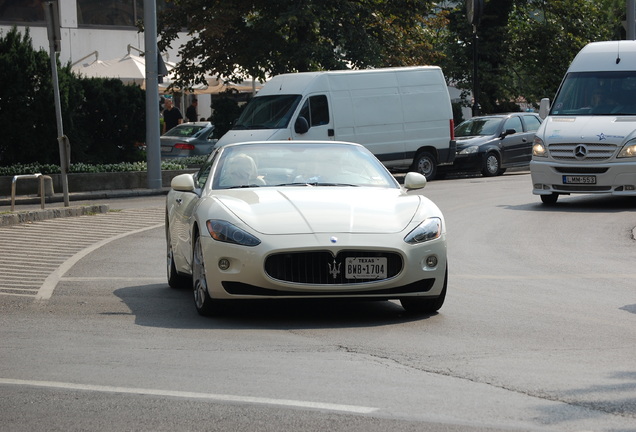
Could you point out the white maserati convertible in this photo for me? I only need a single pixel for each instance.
(296, 219)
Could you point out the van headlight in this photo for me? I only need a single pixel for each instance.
(538, 148)
(628, 150)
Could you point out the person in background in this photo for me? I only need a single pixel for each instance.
(191, 112)
(171, 116)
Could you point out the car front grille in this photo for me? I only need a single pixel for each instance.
(596, 152)
(580, 170)
(322, 268)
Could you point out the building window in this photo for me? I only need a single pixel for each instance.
(20, 11)
(119, 13)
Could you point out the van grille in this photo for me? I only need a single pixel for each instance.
(595, 152)
(313, 267)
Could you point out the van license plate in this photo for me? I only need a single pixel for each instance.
(365, 268)
(568, 179)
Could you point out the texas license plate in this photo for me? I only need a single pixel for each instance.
(570, 179)
(365, 268)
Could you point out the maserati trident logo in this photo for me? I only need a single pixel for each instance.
(580, 151)
(334, 269)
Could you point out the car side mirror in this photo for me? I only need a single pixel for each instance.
(301, 126)
(508, 132)
(414, 180)
(183, 183)
(544, 108)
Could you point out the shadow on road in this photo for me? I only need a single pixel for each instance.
(158, 305)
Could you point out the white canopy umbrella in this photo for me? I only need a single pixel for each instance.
(130, 69)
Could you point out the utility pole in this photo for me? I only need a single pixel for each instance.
(52, 14)
(474, 9)
(153, 150)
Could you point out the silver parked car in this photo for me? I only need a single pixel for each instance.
(188, 139)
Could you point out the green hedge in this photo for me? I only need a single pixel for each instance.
(34, 168)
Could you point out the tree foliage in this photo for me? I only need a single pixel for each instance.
(260, 38)
(524, 46)
(103, 118)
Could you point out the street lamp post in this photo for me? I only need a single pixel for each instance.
(474, 9)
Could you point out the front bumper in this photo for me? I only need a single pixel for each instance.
(610, 178)
(247, 277)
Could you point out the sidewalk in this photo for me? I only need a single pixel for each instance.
(28, 207)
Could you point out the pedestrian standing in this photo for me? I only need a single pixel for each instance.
(171, 116)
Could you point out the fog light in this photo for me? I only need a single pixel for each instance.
(224, 263)
(538, 186)
(431, 261)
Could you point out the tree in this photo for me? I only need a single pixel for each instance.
(525, 46)
(104, 119)
(26, 102)
(545, 36)
(259, 38)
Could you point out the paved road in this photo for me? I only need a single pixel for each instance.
(537, 333)
(36, 255)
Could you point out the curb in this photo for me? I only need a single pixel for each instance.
(29, 216)
(33, 215)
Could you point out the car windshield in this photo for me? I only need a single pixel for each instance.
(268, 112)
(299, 165)
(596, 93)
(478, 127)
(184, 130)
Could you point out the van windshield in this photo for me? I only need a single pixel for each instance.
(268, 112)
(596, 93)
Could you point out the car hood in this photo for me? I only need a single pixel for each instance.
(588, 129)
(306, 209)
(463, 142)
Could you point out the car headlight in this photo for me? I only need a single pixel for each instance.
(628, 150)
(224, 231)
(538, 148)
(430, 229)
(469, 150)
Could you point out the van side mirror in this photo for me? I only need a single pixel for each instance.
(544, 108)
(301, 126)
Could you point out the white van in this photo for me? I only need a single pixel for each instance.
(403, 115)
(587, 143)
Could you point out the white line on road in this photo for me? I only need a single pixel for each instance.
(192, 395)
(46, 291)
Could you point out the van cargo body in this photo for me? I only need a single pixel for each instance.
(402, 115)
(587, 143)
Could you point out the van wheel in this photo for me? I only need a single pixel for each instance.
(550, 199)
(491, 165)
(425, 164)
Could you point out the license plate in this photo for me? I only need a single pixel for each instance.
(166, 149)
(568, 179)
(365, 268)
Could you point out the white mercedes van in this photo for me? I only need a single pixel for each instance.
(587, 142)
(403, 115)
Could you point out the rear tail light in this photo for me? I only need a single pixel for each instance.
(452, 129)
(184, 146)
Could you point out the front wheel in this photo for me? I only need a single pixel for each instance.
(491, 165)
(202, 300)
(425, 164)
(550, 199)
(425, 305)
(175, 279)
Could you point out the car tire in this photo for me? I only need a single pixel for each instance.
(205, 305)
(425, 164)
(175, 280)
(550, 199)
(491, 165)
(425, 305)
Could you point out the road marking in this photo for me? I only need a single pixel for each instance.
(193, 395)
(46, 290)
